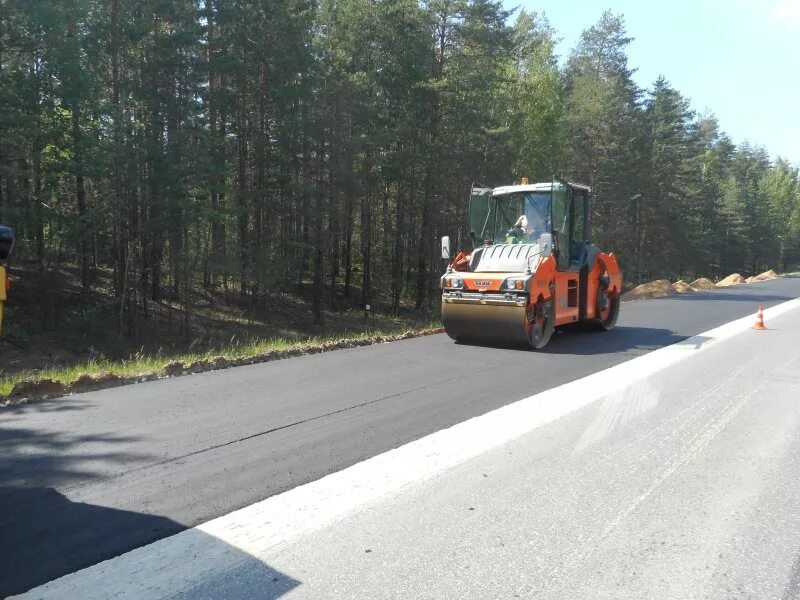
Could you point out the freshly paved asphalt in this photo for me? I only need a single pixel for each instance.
(680, 486)
(86, 478)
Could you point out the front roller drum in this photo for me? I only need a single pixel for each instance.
(527, 325)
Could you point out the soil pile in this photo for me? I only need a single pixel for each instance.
(681, 287)
(651, 289)
(703, 283)
(765, 276)
(734, 279)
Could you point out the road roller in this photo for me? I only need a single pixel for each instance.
(531, 267)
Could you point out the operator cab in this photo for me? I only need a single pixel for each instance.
(553, 215)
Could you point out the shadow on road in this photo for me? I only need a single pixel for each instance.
(45, 535)
(584, 339)
(728, 297)
(31, 457)
(581, 339)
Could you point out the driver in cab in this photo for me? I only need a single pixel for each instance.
(519, 231)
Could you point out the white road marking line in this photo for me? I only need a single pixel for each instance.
(177, 563)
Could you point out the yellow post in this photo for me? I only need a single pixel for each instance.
(2, 294)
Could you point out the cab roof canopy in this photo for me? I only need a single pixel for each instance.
(533, 187)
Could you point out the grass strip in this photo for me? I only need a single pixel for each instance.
(103, 373)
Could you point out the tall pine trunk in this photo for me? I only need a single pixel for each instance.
(80, 195)
(243, 217)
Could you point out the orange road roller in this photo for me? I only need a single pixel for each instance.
(531, 269)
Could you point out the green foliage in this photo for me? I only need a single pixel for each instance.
(535, 99)
(604, 134)
(256, 145)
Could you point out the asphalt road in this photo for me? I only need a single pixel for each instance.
(86, 478)
(680, 486)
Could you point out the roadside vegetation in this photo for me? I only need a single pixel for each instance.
(56, 341)
(97, 374)
(181, 175)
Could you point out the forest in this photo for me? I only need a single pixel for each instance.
(171, 149)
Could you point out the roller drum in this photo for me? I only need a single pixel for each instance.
(504, 324)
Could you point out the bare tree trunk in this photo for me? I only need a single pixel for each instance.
(80, 193)
(241, 187)
(397, 254)
(366, 235)
(348, 244)
(261, 210)
(333, 205)
(333, 237)
(217, 131)
(424, 245)
(121, 239)
(318, 292)
(37, 206)
(155, 159)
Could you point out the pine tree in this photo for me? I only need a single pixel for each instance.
(604, 134)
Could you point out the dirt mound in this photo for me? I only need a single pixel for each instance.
(733, 279)
(174, 368)
(681, 287)
(702, 283)
(220, 362)
(96, 381)
(765, 276)
(42, 388)
(651, 289)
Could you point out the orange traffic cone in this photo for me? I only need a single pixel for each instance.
(759, 319)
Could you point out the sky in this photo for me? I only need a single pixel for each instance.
(738, 59)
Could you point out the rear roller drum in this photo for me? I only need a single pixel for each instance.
(607, 309)
(541, 323)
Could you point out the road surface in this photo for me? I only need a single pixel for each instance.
(93, 476)
(680, 486)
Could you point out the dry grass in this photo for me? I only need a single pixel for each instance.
(142, 366)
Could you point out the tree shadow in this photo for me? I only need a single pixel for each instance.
(44, 534)
(62, 404)
(34, 457)
(247, 578)
(33, 553)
